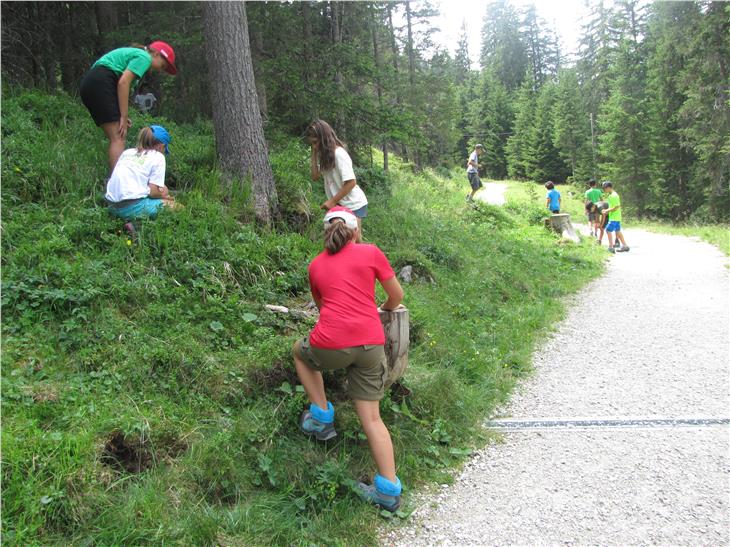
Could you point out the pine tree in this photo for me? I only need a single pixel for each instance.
(571, 128)
(624, 143)
(705, 114)
(518, 144)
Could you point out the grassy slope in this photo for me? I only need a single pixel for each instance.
(161, 352)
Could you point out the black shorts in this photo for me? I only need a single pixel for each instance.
(98, 92)
(474, 180)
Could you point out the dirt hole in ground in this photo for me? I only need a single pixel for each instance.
(133, 454)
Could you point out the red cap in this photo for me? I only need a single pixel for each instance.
(167, 53)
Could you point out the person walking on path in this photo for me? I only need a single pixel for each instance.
(553, 201)
(614, 218)
(137, 188)
(592, 197)
(330, 160)
(105, 88)
(472, 171)
(349, 335)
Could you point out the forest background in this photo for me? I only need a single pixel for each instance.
(645, 104)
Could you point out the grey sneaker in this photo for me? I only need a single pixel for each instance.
(617, 244)
(369, 493)
(623, 249)
(611, 250)
(315, 428)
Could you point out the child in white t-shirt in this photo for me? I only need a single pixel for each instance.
(330, 160)
(137, 188)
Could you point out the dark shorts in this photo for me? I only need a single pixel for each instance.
(593, 216)
(362, 212)
(367, 367)
(605, 221)
(555, 211)
(474, 181)
(98, 91)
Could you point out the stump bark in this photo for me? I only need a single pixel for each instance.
(562, 225)
(395, 327)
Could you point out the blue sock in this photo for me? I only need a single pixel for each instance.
(323, 416)
(384, 486)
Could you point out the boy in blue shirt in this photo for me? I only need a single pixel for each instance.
(552, 200)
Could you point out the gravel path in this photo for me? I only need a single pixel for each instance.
(493, 192)
(665, 306)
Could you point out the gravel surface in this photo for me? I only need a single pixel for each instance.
(493, 192)
(649, 340)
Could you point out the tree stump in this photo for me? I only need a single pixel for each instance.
(395, 326)
(562, 225)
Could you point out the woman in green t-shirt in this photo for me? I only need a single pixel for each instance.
(105, 88)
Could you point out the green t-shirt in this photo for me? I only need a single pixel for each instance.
(127, 58)
(594, 194)
(613, 201)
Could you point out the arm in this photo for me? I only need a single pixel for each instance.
(347, 187)
(314, 168)
(395, 294)
(159, 192)
(125, 82)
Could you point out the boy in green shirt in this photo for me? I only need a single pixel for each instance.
(614, 218)
(593, 196)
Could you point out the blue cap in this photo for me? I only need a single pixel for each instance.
(161, 135)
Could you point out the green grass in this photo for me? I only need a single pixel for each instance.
(149, 397)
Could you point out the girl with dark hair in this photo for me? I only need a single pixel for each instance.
(349, 335)
(330, 160)
(105, 88)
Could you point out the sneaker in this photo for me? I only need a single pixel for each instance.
(370, 494)
(624, 249)
(319, 430)
(469, 199)
(617, 244)
(131, 230)
(611, 250)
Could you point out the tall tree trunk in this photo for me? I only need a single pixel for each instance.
(412, 75)
(378, 86)
(338, 12)
(242, 149)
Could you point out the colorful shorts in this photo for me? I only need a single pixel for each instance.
(613, 226)
(144, 208)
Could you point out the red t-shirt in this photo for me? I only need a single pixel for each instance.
(345, 284)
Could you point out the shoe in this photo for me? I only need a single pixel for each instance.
(469, 199)
(624, 249)
(611, 250)
(131, 230)
(322, 431)
(617, 244)
(370, 494)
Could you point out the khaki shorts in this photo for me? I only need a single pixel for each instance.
(367, 369)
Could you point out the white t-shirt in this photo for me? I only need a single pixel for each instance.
(133, 172)
(475, 158)
(334, 178)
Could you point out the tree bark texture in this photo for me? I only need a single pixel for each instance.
(242, 149)
(395, 327)
(562, 225)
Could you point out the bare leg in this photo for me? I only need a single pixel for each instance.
(610, 239)
(620, 236)
(359, 230)
(311, 380)
(116, 143)
(381, 446)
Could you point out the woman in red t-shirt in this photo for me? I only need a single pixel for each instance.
(349, 335)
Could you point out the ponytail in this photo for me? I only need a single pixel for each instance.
(146, 140)
(336, 236)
